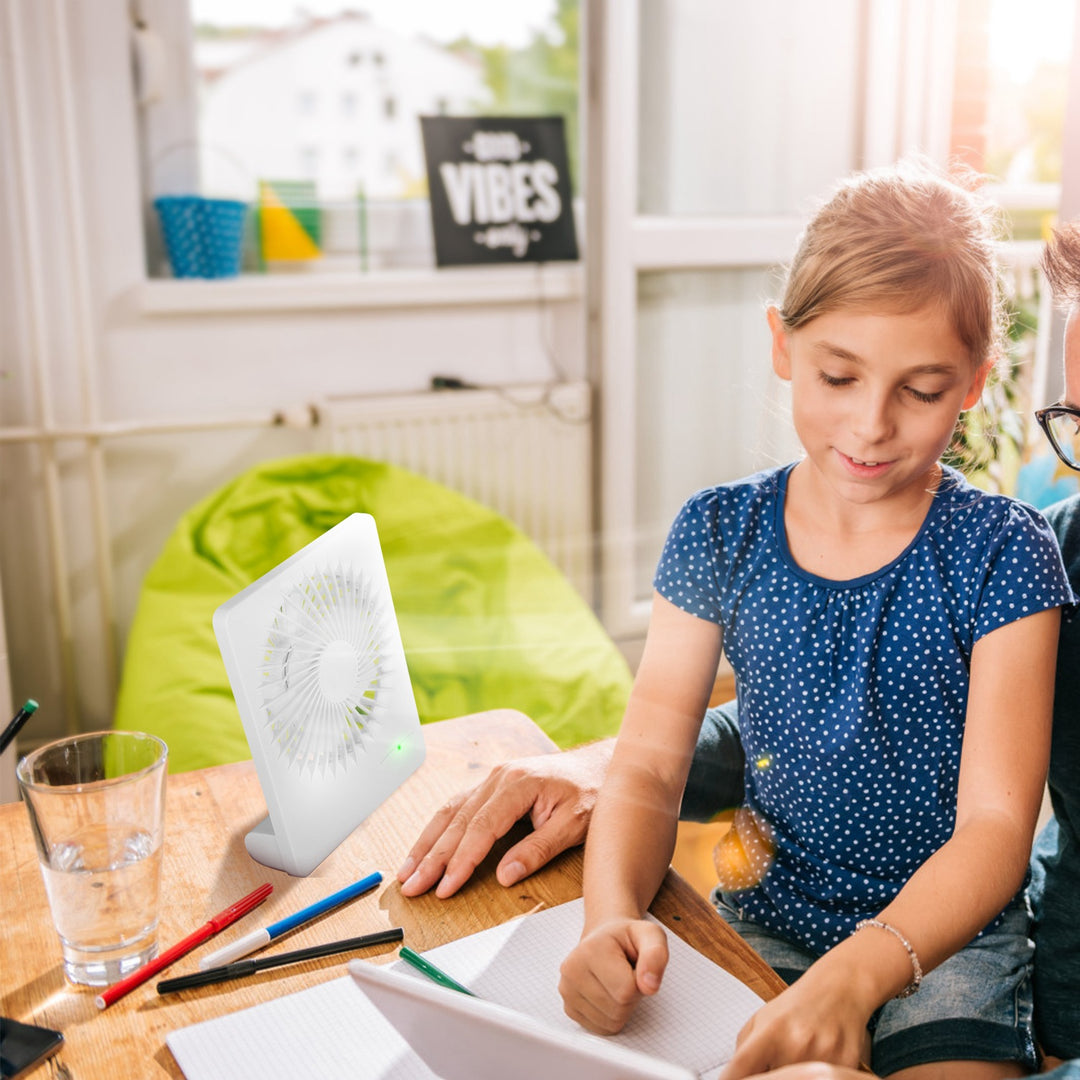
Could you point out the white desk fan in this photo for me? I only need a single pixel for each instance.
(316, 665)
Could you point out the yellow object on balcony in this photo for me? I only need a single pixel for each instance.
(289, 221)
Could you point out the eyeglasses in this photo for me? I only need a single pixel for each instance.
(1062, 426)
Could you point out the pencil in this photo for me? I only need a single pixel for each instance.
(17, 722)
(249, 967)
(194, 939)
(431, 971)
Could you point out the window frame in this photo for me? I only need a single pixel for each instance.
(897, 110)
(171, 121)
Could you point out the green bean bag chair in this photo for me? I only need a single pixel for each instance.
(487, 621)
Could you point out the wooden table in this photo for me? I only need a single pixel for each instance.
(206, 867)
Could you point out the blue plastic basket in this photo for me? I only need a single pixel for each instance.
(203, 237)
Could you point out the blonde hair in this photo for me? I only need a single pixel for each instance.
(1061, 264)
(897, 240)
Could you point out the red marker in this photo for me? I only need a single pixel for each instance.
(193, 940)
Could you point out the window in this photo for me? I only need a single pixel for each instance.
(1027, 77)
(289, 91)
(1017, 109)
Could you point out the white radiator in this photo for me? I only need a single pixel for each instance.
(525, 451)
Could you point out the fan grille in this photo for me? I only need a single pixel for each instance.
(323, 671)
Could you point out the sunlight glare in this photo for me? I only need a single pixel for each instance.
(1025, 35)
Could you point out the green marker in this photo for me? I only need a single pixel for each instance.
(427, 968)
(17, 722)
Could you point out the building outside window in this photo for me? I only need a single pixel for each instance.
(266, 77)
(308, 157)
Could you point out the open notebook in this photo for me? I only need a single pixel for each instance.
(466, 1038)
(333, 1030)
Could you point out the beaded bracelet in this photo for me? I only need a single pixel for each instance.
(916, 967)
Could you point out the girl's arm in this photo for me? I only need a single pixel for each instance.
(632, 834)
(960, 888)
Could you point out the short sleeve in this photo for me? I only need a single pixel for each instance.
(690, 566)
(1025, 571)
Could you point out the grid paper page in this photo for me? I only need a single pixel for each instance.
(332, 1031)
(692, 1021)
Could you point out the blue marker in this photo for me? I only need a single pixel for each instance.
(257, 939)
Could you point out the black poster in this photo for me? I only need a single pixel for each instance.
(500, 189)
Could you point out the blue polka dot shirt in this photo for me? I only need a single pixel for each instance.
(852, 694)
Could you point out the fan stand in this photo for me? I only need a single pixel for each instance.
(262, 846)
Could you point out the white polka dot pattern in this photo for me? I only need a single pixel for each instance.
(203, 237)
(852, 694)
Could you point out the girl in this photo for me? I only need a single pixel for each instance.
(893, 634)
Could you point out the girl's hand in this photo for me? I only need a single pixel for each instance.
(612, 966)
(817, 1019)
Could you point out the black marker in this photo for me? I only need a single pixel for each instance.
(249, 967)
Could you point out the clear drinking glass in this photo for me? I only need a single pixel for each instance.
(97, 810)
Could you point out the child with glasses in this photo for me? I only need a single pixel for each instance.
(1055, 888)
(892, 631)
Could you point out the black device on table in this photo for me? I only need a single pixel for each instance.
(22, 1046)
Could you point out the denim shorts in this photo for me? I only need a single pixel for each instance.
(976, 1006)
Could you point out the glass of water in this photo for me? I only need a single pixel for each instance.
(97, 810)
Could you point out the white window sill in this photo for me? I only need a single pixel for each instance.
(481, 286)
